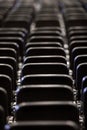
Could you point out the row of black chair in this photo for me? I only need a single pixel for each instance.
(12, 41)
(76, 26)
(46, 90)
(7, 65)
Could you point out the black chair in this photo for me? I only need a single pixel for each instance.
(8, 70)
(18, 40)
(14, 29)
(37, 51)
(4, 101)
(74, 44)
(10, 61)
(85, 107)
(79, 28)
(12, 45)
(44, 33)
(45, 111)
(6, 83)
(47, 39)
(42, 44)
(41, 125)
(2, 118)
(18, 21)
(76, 38)
(53, 28)
(81, 71)
(76, 52)
(47, 21)
(76, 21)
(47, 79)
(44, 68)
(45, 59)
(12, 33)
(29, 93)
(8, 52)
(77, 33)
(73, 10)
(78, 60)
(83, 86)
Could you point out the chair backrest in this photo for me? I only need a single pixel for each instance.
(12, 33)
(47, 22)
(47, 111)
(8, 52)
(78, 60)
(30, 93)
(83, 86)
(77, 51)
(46, 39)
(6, 83)
(45, 59)
(76, 38)
(12, 45)
(17, 21)
(15, 29)
(77, 33)
(42, 44)
(36, 51)
(45, 33)
(81, 71)
(74, 44)
(48, 28)
(41, 125)
(18, 40)
(10, 61)
(4, 100)
(47, 79)
(84, 101)
(83, 28)
(8, 70)
(2, 118)
(76, 21)
(44, 68)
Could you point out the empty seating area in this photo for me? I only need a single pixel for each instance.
(43, 64)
